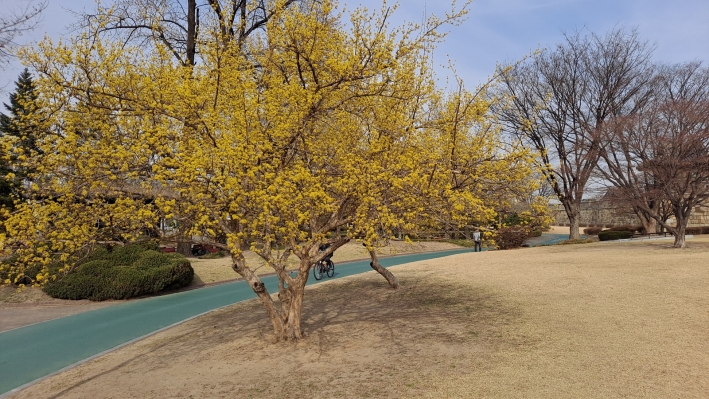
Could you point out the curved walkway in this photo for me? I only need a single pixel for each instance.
(546, 239)
(36, 351)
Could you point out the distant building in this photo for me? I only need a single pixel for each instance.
(602, 212)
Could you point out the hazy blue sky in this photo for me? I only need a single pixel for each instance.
(497, 30)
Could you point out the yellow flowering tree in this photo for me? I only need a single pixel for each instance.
(315, 131)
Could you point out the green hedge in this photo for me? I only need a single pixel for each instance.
(124, 272)
(610, 235)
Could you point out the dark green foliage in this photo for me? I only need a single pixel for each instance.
(511, 237)
(609, 235)
(513, 219)
(20, 124)
(626, 227)
(592, 231)
(123, 272)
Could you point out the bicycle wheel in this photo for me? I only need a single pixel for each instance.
(317, 271)
(330, 269)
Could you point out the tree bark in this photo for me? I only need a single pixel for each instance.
(390, 278)
(574, 219)
(680, 231)
(292, 327)
(184, 248)
(192, 15)
(239, 266)
(648, 222)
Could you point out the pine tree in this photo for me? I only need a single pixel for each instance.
(21, 108)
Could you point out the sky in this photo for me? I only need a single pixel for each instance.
(495, 31)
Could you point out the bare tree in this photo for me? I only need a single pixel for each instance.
(660, 156)
(15, 23)
(176, 25)
(560, 99)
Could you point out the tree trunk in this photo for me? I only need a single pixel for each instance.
(647, 218)
(390, 278)
(292, 327)
(650, 226)
(192, 22)
(574, 226)
(184, 248)
(239, 266)
(679, 231)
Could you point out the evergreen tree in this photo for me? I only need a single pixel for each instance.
(20, 125)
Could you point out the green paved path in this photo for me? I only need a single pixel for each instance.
(34, 351)
(547, 239)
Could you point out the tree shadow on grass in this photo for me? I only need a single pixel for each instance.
(424, 324)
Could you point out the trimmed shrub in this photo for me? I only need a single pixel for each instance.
(511, 237)
(592, 231)
(697, 230)
(123, 272)
(609, 235)
(627, 227)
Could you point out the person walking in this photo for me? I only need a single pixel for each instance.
(477, 238)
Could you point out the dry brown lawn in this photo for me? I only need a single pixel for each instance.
(620, 320)
(217, 270)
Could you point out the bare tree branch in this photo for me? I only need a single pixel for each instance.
(16, 23)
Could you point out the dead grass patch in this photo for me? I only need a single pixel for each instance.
(589, 321)
(216, 270)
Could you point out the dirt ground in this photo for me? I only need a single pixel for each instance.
(600, 320)
(31, 305)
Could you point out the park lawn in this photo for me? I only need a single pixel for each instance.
(598, 320)
(208, 271)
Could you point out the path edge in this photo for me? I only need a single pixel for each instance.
(80, 362)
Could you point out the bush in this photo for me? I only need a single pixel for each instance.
(123, 272)
(609, 235)
(592, 231)
(9, 271)
(214, 255)
(697, 230)
(511, 237)
(627, 227)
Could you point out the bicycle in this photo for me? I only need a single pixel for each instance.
(325, 266)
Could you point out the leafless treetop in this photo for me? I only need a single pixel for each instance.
(16, 22)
